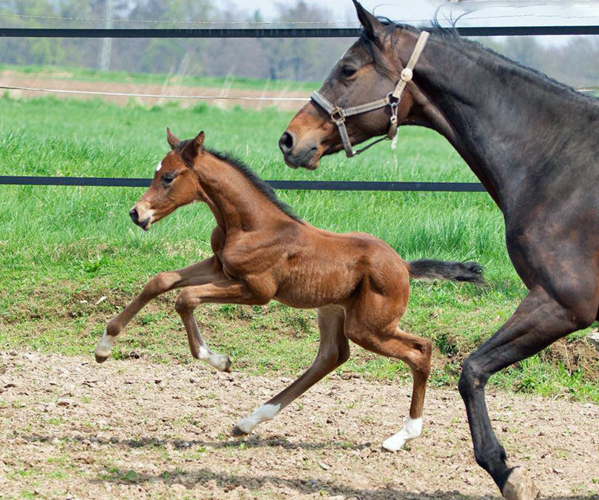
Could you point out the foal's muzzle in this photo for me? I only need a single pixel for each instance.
(144, 223)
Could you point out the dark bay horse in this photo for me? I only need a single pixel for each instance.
(532, 142)
(262, 251)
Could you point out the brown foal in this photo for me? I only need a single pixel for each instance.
(262, 251)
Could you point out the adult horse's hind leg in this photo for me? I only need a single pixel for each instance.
(412, 350)
(539, 321)
(333, 352)
(197, 274)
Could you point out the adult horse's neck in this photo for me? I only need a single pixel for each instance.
(512, 126)
(239, 200)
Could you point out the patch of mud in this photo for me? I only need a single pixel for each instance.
(70, 428)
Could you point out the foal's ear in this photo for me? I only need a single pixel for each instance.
(193, 148)
(370, 23)
(172, 139)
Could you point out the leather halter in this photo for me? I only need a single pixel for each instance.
(339, 114)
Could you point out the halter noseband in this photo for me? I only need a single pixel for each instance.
(338, 114)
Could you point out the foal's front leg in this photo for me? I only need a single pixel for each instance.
(205, 271)
(223, 291)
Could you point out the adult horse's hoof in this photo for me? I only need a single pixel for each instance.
(237, 432)
(519, 486)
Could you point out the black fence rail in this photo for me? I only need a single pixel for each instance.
(459, 187)
(455, 187)
(276, 32)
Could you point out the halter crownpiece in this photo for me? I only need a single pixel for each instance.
(338, 114)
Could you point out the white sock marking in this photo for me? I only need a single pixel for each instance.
(262, 414)
(104, 347)
(411, 430)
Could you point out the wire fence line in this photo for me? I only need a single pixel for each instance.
(257, 33)
(152, 96)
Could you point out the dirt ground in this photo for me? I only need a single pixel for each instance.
(12, 78)
(70, 428)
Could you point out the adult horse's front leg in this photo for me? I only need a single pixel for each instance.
(223, 291)
(539, 321)
(333, 352)
(203, 272)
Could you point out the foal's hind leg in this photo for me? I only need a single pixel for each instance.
(197, 274)
(414, 351)
(333, 352)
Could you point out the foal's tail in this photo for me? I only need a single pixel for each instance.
(471, 272)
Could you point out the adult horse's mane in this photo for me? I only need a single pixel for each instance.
(251, 176)
(493, 58)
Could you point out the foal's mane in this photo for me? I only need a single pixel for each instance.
(501, 63)
(251, 176)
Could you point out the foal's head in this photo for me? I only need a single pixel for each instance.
(175, 183)
(368, 71)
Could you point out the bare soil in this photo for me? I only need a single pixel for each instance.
(70, 428)
(12, 78)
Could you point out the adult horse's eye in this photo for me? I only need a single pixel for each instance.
(348, 71)
(169, 177)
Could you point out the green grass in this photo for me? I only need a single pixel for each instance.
(95, 75)
(63, 248)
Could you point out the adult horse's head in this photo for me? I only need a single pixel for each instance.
(175, 184)
(368, 72)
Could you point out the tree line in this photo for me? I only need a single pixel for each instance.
(276, 59)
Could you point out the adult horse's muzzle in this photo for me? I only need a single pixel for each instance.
(305, 140)
(295, 157)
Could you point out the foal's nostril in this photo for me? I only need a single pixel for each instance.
(286, 142)
(134, 215)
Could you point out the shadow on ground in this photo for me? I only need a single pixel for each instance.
(253, 441)
(228, 482)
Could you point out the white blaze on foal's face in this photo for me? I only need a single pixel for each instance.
(159, 166)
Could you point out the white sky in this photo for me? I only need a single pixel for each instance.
(482, 12)
(486, 12)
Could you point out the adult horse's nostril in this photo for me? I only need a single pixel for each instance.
(134, 215)
(286, 142)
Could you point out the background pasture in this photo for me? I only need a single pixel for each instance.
(71, 258)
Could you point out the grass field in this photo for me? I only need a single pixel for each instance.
(71, 258)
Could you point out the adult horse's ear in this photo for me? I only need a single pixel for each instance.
(172, 139)
(369, 22)
(193, 148)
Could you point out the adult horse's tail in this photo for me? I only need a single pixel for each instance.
(471, 272)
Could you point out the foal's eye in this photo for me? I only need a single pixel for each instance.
(348, 71)
(169, 177)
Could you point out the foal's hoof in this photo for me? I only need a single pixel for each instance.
(221, 362)
(237, 432)
(519, 486)
(101, 359)
(104, 348)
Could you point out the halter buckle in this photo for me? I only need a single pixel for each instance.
(337, 115)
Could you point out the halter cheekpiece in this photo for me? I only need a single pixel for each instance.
(338, 114)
